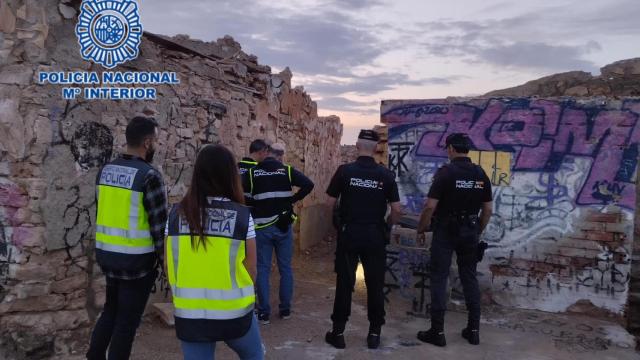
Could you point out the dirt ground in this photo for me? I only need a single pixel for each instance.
(505, 334)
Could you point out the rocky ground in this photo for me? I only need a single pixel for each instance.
(506, 334)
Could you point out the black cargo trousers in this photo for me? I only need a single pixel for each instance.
(460, 236)
(365, 243)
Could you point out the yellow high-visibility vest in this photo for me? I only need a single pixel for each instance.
(122, 224)
(210, 283)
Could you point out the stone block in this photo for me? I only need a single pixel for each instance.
(31, 271)
(606, 218)
(28, 236)
(7, 18)
(164, 311)
(599, 236)
(45, 322)
(51, 302)
(29, 289)
(66, 11)
(68, 285)
(16, 75)
(12, 128)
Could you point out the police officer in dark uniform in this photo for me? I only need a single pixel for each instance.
(272, 198)
(460, 190)
(365, 188)
(258, 151)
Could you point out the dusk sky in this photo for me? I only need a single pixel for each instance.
(350, 54)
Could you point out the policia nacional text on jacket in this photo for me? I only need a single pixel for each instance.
(365, 189)
(460, 190)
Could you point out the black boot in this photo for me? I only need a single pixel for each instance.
(335, 340)
(472, 336)
(433, 337)
(373, 341)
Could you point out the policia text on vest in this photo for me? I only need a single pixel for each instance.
(210, 286)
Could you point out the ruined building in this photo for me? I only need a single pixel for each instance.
(51, 149)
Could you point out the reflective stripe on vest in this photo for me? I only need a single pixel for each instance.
(122, 224)
(273, 194)
(263, 222)
(210, 283)
(213, 314)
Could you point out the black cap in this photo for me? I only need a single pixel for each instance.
(459, 141)
(369, 135)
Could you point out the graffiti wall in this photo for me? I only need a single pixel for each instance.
(563, 174)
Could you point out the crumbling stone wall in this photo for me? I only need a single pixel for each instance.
(51, 150)
(349, 153)
(564, 186)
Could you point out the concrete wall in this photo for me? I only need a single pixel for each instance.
(564, 175)
(51, 150)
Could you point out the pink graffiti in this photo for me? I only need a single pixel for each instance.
(540, 134)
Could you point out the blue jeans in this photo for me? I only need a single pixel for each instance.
(248, 347)
(268, 239)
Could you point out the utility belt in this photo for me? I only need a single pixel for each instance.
(464, 226)
(456, 216)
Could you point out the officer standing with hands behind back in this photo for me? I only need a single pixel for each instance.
(459, 191)
(365, 188)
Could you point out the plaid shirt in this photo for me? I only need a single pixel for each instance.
(154, 200)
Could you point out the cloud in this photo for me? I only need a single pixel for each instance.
(373, 83)
(544, 38)
(498, 43)
(323, 41)
(354, 4)
(539, 56)
(343, 104)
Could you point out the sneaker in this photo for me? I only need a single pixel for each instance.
(264, 319)
(285, 314)
(432, 337)
(472, 336)
(373, 341)
(335, 340)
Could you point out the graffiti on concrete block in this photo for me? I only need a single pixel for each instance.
(552, 163)
(496, 164)
(542, 135)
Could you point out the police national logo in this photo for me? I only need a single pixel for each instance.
(109, 31)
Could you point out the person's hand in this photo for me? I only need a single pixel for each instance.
(421, 238)
(422, 228)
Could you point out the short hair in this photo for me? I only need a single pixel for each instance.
(138, 129)
(367, 145)
(460, 142)
(257, 145)
(277, 149)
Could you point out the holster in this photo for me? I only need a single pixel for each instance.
(482, 246)
(285, 219)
